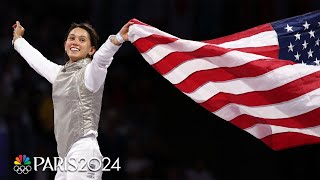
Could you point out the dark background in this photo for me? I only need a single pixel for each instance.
(155, 130)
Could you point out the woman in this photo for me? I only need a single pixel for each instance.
(77, 89)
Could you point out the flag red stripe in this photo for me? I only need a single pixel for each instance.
(258, 98)
(240, 35)
(289, 140)
(308, 119)
(146, 43)
(176, 58)
(268, 51)
(251, 69)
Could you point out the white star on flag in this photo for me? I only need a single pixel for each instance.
(306, 25)
(289, 28)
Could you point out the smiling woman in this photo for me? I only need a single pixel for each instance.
(81, 41)
(78, 40)
(77, 89)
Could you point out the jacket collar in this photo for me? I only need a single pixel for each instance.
(72, 66)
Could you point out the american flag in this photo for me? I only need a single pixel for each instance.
(264, 80)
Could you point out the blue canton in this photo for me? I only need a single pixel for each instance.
(299, 38)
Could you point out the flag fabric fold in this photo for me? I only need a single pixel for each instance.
(264, 80)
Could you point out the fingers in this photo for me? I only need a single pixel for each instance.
(130, 23)
(18, 30)
(17, 24)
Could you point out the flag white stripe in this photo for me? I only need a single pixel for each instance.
(267, 38)
(157, 53)
(287, 109)
(137, 31)
(263, 130)
(181, 72)
(264, 82)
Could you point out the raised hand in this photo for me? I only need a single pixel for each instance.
(18, 31)
(124, 31)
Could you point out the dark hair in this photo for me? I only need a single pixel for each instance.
(94, 38)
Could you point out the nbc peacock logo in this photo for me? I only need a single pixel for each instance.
(22, 164)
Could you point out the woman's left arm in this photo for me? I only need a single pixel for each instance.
(96, 71)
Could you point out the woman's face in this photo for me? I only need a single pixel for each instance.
(78, 45)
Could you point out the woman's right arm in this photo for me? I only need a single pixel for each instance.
(35, 59)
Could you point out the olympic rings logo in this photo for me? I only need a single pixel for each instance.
(22, 169)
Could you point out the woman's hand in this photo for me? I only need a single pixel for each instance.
(124, 31)
(122, 35)
(18, 31)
